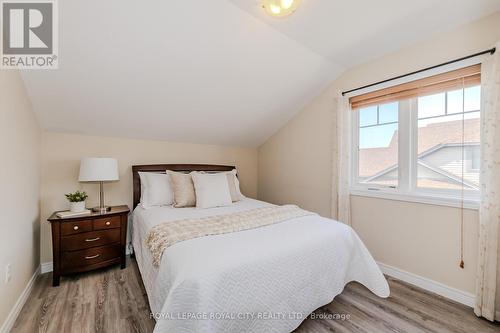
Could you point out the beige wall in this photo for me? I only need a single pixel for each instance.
(295, 165)
(61, 154)
(19, 192)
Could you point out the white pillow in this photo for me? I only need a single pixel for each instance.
(234, 186)
(155, 190)
(212, 190)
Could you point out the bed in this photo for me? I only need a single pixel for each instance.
(267, 279)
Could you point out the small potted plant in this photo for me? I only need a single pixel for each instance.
(77, 201)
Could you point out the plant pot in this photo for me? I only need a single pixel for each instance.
(77, 207)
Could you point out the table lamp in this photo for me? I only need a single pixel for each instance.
(100, 170)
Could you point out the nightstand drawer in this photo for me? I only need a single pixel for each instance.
(90, 239)
(90, 256)
(107, 223)
(76, 227)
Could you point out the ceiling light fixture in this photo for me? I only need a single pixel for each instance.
(280, 8)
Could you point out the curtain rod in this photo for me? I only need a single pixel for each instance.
(490, 51)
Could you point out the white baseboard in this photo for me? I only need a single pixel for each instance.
(429, 285)
(11, 318)
(48, 267)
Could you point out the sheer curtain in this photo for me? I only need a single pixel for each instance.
(343, 170)
(488, 271)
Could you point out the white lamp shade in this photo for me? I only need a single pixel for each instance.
(98, 170)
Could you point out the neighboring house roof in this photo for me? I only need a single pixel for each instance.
(376, 162)
(447, 132)
(449, 175)
(437, 170)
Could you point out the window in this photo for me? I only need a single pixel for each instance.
(445, 120)
(473, 158)
(378, 145)
(420, 141)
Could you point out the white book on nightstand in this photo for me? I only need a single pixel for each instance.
(68, 213)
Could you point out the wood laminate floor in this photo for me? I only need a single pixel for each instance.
(114, 300)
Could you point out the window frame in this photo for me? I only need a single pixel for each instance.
(407, 189)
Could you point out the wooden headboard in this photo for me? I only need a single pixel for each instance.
(161, 168)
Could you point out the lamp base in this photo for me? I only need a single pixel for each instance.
(104, 209)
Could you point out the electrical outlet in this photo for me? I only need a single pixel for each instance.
(8, 274)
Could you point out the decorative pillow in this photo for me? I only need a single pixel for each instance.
(183, 188)
(155, 190)
(234, 186)
(212, 190)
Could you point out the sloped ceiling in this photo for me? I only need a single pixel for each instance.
(351, 32)
(218, 71)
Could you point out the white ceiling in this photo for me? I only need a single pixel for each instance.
(351, 32)
(218, 71)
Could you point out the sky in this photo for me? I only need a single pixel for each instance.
(375, 134)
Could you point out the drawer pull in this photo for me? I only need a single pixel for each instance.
(75, 227)
(92, 257)
(108, 222)
(92, 239)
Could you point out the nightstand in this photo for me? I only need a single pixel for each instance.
(88, 242)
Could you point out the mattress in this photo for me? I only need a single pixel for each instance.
(265, 279)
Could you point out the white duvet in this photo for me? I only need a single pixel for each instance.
(261, 280)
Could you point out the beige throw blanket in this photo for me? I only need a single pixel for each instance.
(167, 234)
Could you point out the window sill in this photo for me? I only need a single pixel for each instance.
(429, 199)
